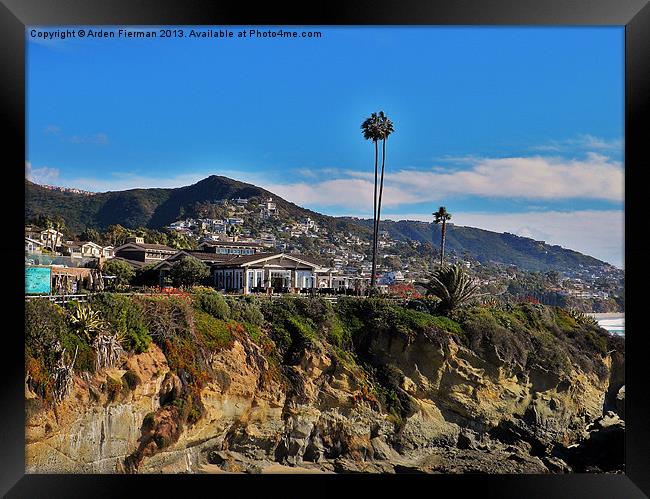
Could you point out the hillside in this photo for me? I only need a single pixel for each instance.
(156, 208)
(486, 246)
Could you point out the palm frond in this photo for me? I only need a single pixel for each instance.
(453, 286)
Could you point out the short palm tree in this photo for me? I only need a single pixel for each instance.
(453, 286)
(441, 216)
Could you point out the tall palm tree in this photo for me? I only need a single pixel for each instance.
(385, 129)
(371, 128)
(441, 216)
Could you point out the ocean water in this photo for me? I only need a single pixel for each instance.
(614, 323)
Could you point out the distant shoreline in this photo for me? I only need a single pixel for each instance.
(608, 315)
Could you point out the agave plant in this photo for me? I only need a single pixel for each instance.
(582, 318)
(453, 286)
(106, 344)
(86, 321)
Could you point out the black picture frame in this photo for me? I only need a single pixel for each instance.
(633, 14)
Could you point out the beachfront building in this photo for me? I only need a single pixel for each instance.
(263, 272)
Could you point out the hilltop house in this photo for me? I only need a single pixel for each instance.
(280, 271)
(268, 209)
(137, 250)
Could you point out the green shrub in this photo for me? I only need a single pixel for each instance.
(301, 331)
(211, 302)
(122, 271)
(482, 332)
(125, 316)
(86, 356)
(565, 321)
(48, 335)
(246, 309)
(338, 335)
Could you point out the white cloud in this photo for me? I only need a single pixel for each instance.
(598, 233)
(595, 177)
(346, 192)
(42, 175)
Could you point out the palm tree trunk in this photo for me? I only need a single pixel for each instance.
(442, 243)
(374, 224)
(381, 192)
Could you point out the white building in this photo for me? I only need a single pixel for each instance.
(280, 272)
(268, 209)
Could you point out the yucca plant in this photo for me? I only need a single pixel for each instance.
(86, 321)
(90, 324)
(454, 287)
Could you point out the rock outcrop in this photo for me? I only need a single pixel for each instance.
(450, 411)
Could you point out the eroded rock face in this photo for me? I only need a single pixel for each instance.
(459, 413)
(87, 433)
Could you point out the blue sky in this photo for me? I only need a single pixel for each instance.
(513, 129)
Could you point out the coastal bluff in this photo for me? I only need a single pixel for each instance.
(417, 399)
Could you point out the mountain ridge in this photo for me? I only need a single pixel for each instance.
(155, 208)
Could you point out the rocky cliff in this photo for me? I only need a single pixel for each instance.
(421, 402)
